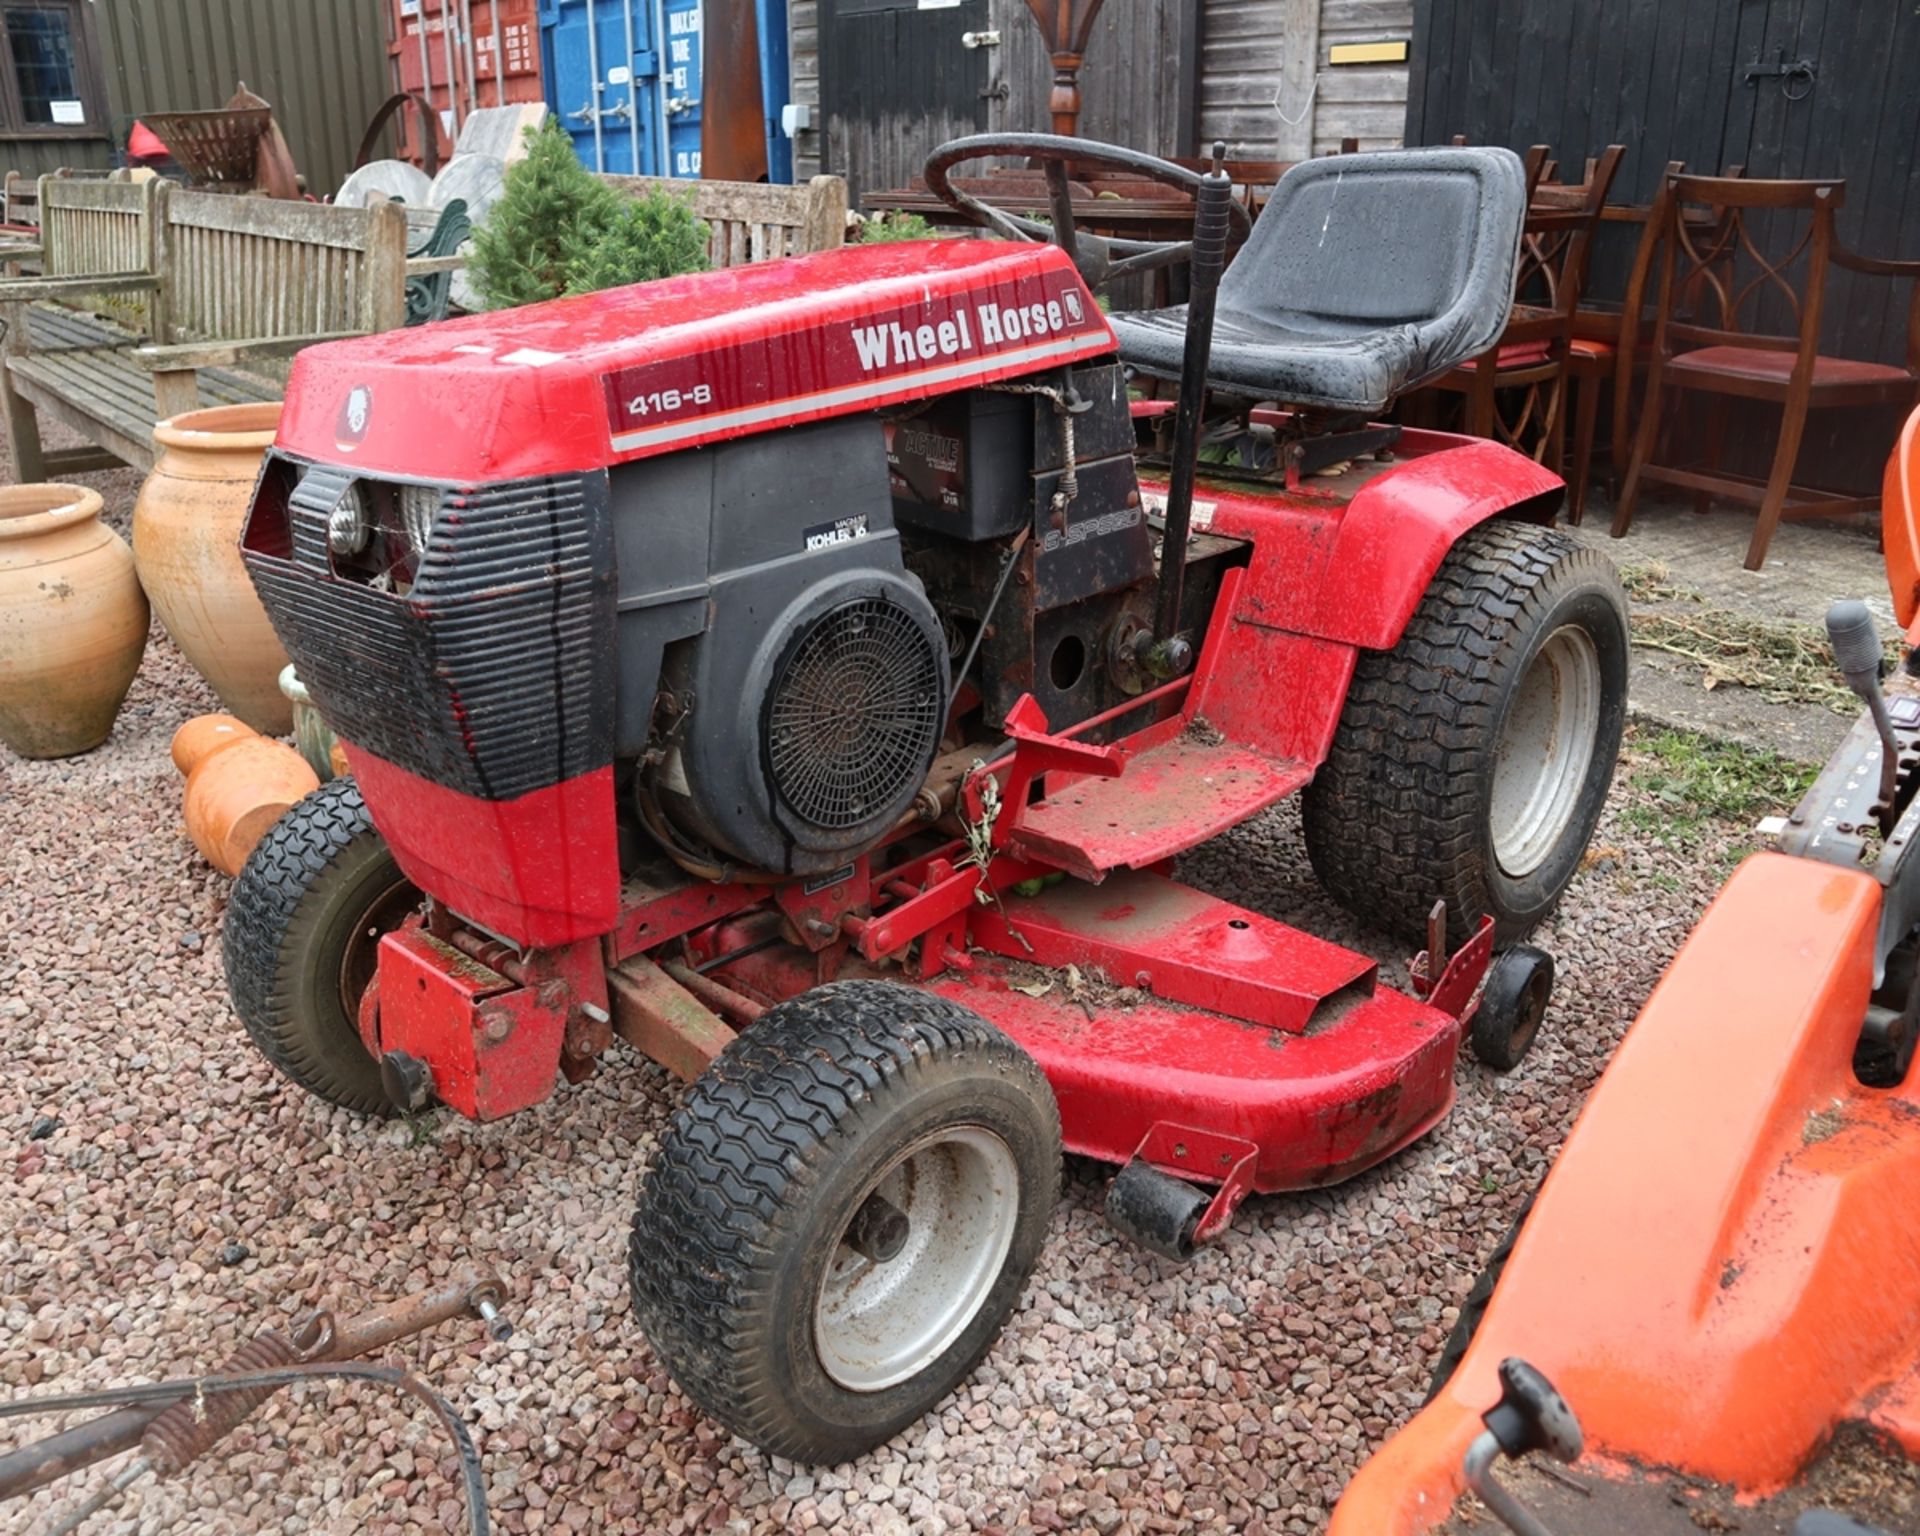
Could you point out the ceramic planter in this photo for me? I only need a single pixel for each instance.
(73, 621)
(311, 733)
(186, 541)
(238, 785)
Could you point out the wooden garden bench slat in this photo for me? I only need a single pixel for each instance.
(757, 221)
(225, 282)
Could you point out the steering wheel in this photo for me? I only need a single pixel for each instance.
(1098, 257)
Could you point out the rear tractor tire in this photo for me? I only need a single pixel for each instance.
(301, 943)
(1472, 760)
(842, 1215)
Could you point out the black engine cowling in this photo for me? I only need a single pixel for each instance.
(802, 674)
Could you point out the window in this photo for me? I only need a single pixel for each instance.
(49, 70)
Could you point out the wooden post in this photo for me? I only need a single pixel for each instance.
(1066, 25)
(384, 277)
(1299, 69)
(16, 414)
(826, 218)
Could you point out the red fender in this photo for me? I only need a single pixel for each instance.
(1330, 577)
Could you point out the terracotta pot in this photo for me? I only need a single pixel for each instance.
(186, 540)
(73, 621)
(238, 785)
(311, 734)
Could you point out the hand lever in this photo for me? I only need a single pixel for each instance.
(1530, 1416)
(1857, 653)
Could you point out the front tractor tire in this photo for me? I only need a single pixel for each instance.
(1472, 760)
(301, 943)
(842, 1215)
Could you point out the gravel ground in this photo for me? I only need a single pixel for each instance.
(170, 1195)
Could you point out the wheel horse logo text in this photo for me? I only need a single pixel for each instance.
(989, 325)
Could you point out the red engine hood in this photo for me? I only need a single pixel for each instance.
(579, 383)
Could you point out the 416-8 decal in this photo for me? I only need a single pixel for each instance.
(669, 400)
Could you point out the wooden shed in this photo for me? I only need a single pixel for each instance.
(887, 80)
(74, 74)
(1785, 88)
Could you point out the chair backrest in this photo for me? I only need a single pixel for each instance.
(1745, 255)
(756, 221)
(1556, 245)
(1426, 238)
(255, 268)
(92, 228)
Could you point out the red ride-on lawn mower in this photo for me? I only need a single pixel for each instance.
(809, 672)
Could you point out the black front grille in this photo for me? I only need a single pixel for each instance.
(492, 672)
(854, 713)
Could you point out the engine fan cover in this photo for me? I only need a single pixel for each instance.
(854, 714)
(805, 755)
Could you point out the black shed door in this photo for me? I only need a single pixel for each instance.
(1785, 88)
(897, 78)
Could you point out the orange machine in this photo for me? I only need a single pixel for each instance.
(1721, 1275)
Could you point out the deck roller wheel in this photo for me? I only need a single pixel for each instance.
(1158, 1211)
(843, 1214)
(1512, 1005)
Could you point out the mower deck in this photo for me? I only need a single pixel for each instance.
(1154, 1009)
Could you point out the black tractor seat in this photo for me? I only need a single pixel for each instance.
(1365, 276)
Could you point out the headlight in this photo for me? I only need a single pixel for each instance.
(419, 505)
(348, 525)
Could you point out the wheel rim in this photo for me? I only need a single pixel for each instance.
(361, 956)
(1532, 1010)
(878, 1322)
(1545, 749)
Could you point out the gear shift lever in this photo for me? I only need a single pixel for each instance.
(1530, 1416)
(1856, 651)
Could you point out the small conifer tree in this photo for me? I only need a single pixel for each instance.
(651, 236)
(520, 249)
(558, 229)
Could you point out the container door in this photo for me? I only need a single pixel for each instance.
(680, 26)
(603, 78)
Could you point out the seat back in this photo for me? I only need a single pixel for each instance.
(258, 269)
(96, 228)
(1422, 238)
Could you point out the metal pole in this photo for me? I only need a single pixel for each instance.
(499, 58)
(593, 100)
(663, 52)
(633, 96)
(432, 124)
(1171, 651)
(473, 73)
(453, 71)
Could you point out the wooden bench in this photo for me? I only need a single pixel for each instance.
(753, 221)
(219, 292)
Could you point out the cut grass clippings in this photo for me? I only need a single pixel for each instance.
(1784, 662)
(1685, 789)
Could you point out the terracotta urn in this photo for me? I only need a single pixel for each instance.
(239, 784)
(73, 621)
(186, 541)
(311, 734)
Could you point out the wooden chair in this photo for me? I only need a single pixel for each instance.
(1532, 360)
(1717, 352)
